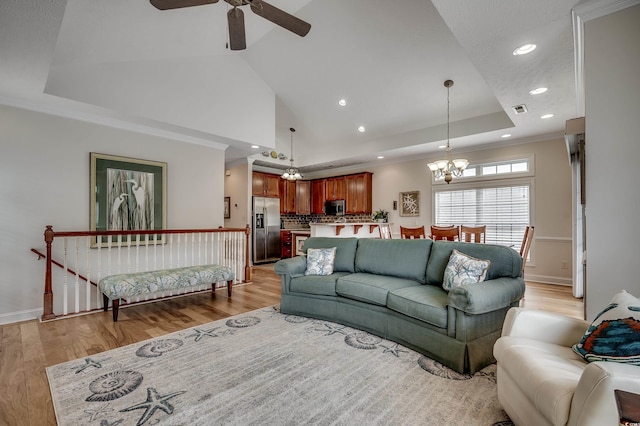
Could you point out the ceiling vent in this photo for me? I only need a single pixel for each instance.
(520, 109)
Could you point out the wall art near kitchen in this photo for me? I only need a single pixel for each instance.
(227, 207)
(410, 203)
(127, 194)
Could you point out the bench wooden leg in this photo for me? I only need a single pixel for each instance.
(105, 302)
(116, 305)
(229, 286)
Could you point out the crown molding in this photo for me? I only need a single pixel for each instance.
(90, 114)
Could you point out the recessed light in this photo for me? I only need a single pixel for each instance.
(524, 49)
(361, 129)
(538, 91)
(255, 146)
(506, 135)
(380, 157)
(546, 116)
(342, 102)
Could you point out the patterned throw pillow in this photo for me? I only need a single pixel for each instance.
(463, 269)
(320, 261)
(615, 333)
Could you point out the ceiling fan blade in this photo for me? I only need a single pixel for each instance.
(176, 4)
(237, 39)
(280, 17)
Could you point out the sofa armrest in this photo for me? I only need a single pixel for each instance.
(487, 296)
(294, 266)
(545, 326)
(594, 400)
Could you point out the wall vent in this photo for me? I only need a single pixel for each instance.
(520, 109)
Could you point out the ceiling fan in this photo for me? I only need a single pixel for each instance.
(235, 17)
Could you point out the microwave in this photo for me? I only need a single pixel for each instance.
(334, 208)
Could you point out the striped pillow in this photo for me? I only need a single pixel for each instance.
(615, 333)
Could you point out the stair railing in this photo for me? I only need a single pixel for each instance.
(89, 256)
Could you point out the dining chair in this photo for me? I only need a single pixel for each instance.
(385, 231)
(526, 245)
(449, 233)
(412, 233)
(473, 234)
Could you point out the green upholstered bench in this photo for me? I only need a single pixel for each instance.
(122, 286)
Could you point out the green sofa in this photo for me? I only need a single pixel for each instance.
(393, 289)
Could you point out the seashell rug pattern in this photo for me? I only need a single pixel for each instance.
(264, 367)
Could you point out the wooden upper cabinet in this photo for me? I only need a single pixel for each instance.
(287, 196)
(358, 193)
(318, 196)
(265, 184)
(303, 197)
(271, 185)
(257, 184)
(335, 188)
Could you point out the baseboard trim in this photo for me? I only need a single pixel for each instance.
(547, 279)
(20, 316)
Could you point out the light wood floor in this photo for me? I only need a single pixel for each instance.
(27, 348)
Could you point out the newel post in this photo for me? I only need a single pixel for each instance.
(247, 267)
(47, 313)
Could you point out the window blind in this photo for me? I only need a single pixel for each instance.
(503, 209)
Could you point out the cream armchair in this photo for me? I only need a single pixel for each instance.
(541, 381)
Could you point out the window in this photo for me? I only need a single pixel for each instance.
(495, 170)
(503, 207)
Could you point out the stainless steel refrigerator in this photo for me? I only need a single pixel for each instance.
(266, 229)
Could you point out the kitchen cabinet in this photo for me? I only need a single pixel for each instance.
(335, 188)
(358, 193)
(285, 244)
(318, 196)
(265, 184)
(303, 197)
(287, 196)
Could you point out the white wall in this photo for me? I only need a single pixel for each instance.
(551, 201)
(237, 186)
(44, 180)
(612, 94)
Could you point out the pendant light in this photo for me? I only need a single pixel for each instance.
(448, 168)
(291, 173)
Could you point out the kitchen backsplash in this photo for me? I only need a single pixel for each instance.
(292, 220)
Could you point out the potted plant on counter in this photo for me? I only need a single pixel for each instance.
(381, 216)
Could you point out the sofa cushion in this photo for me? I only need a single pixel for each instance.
(426, 303)
(615, 333)
(320, 261)
(505, 261)
(463, 269)
(324, 285)
(397, 258)
(370, 288)
(345, 250)
(547, 373)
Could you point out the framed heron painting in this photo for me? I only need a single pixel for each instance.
(127, 194)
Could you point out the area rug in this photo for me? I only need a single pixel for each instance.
(264, 367)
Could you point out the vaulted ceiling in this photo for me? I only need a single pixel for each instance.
(169, 73)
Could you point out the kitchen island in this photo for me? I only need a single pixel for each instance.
(346, 230)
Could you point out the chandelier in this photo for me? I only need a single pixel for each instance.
(448, 168)
(291, 173)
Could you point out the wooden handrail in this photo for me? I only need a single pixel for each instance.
(71, 271)
(50, 234)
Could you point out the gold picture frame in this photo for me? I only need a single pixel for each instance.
(410, 203)
(127, 194)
